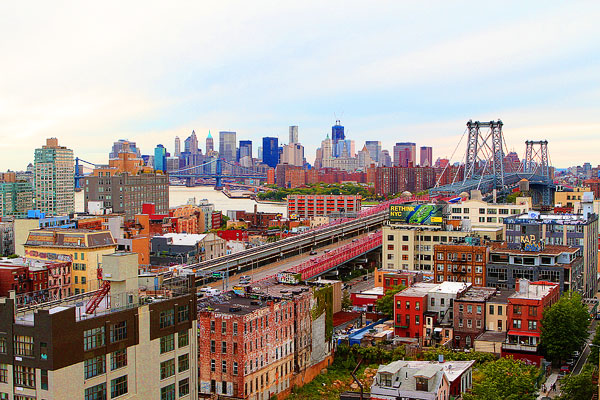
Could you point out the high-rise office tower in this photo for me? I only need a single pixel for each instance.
(384, 159)
(337, 132)
(374, 148)
(160, 158)
(191, 144)
(245, 149)
(270, 151)
(344, 148)
(293, 154)
(426, 156)
(405, 154)
(260, 155)
(177, 147)
(293, 134)
(54, 179)
(210, 145)
(227, 150)
(124, 145)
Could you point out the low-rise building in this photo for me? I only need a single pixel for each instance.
(409, 307)
(188, 247)
(525, 310)
(426, 380)
(388, 279)
(464, 261)
(83, 248)
(470, 315)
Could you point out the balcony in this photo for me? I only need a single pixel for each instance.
(519, 347)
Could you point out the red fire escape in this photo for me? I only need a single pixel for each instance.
(99, 296)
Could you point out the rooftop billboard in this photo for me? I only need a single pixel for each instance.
(418, 214)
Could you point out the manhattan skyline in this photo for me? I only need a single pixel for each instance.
(394, 73)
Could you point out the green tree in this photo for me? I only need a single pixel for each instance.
(346, 301)
(385, 305)
(512, 198)
(593, 359)
(564, 327)
(578, 387)
(505, 379)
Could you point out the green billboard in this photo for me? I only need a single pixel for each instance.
(416, 214)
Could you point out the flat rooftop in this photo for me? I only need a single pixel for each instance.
(418, 289)
(549, 250)
(533, 290)
(450, 287)
(477, 294)
(501, 296)
(230, 303)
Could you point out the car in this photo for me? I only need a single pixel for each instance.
(564, 370)
(327, 250)
(244, 279)
(313, 252)
(576, 354)
(365, 278)
(570, 362)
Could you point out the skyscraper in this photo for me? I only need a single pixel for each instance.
(227, 150)
(54, 179)
(210, 145)
(374, 147)
(245, 149)
(177, 147)
(191, 143)
(426, 156)
(293, 134)
(160, 158)
(270, 151)
(405, 154)
(337, 132)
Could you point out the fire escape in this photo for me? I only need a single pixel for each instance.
(99, 296)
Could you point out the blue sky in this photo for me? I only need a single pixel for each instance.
(90, 74)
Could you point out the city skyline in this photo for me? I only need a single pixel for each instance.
(409, 75)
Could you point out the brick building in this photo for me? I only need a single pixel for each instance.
(525, 310)
(409, 308)
(250, 348)
(392, 180)
(469, 315)
(308, 206)
(388, 279)
(461, 262)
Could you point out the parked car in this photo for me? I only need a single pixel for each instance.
(576, 354)
(564, 370)
(245, 279)
(313, 252)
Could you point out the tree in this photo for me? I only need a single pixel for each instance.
(578, 387)
(564, 327)
(385, 305)
(593, 359)
(505, 379)
(346, 301)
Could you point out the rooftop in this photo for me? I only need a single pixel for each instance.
(229, 303)
(185, 239)
(452, 369)
(549, 249)
(418, 289)
(492, 336)
(477, 294)
(26, 262)
(533, 290)
(501, 296)
(536, 217)
(450, 287)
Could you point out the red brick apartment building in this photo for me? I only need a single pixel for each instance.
(307, 206)
(525, 309)
(251, 348)
(410, 306)
(469, 315)
(461, 262)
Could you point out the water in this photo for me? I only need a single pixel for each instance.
(179, 195)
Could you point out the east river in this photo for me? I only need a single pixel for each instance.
(179, 195)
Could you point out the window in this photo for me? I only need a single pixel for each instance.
(516, 323)
(432, 301)
(118, 359)
(183, 362)
(235, 368)
(212, 326)
(532, 325)
(183, 313)
(118, 331)
(3, 373)
(167, 368)
(224, 327)
(224, 347)
(23, 345)
(479, 323)
(184, 387)
(491, 311)
(499, 310)
(460, 308)
(478, 309)
(167, 343)
(407, 304)
(532, 311)
(167, 392)
(24, 376)
(2, 345)
(469, 308)
(418, 305)
(183, 339)
(97, 392)
(469, 323)
(212, 365)
(167, 318)
(517, 309)
(224, 366)
(94, 366)
(93, 338)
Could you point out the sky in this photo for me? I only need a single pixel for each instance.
(90, 73)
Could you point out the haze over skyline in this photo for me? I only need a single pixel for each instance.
(90, 74)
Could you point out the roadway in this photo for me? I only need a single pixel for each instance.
(264, 271)
(586, 350)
